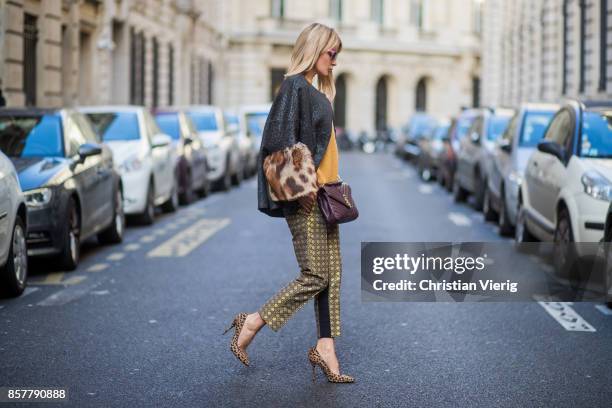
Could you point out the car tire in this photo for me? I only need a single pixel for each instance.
(147, 217)
(172, 204)
(71, 251)
(225, 182)
(459, 193)
(564, 251)
(14, 274)
(487, 210)
(186, 197)
(479, 193)
(505, 227)
(113, 234)
(237, 178)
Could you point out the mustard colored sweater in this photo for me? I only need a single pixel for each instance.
(327, 172)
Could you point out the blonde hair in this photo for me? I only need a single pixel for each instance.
(311, 43)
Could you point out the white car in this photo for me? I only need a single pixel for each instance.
(248, 154)
(567, 187)
(13, 231)
(144, 155)
(222, 149)
(252, 121)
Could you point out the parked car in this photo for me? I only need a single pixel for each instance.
(252, 121)
(432, 148)
(607, 239)
(248, 154)
(475, 154)
(510, 157)
(13, 230)
(71, 188)
(419, 125)
(189, 152)
(144, 157)
(568, 182)
(223, 151)
(458, 130)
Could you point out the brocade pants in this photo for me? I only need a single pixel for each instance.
(317, 249)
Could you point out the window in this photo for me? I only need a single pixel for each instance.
(74, 137)
(596, 137)
(511, 129)
(85, 128)
(169, 124)
(378, 14)
(31, 136)
(560, 129)
(204, 121)
(30, 39)
(155, 72)
(534, 125)
(335, 9)
(477, 16)
(115, 125)
(475, 92)
(278, 8)
(421, 95)
(170, 74)
(416, 13)
(603, 45)
(137, 67)
(583, 51)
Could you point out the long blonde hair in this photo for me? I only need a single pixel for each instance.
(310, 44)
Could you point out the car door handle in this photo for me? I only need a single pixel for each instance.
(535, 164)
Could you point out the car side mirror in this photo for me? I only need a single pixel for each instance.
(550, 147)
(188, 140)
(89, 149)
(161, 140)
(505, 145)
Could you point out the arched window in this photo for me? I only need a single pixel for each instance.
(421, 95)
(381, 104)
(340, 102)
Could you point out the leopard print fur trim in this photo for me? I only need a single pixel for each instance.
(290, 173)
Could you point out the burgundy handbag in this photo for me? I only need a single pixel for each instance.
(336, 203)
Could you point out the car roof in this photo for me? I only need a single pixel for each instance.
(264, 107)
(200, 108)
(110, 108)
(531, 106)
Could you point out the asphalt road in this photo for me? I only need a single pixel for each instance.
(140, 324)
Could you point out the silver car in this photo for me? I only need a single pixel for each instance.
(13, 231)
(510, 158)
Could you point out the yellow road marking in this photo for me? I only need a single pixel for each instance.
(185, 241)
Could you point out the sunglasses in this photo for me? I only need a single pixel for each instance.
(332, 54)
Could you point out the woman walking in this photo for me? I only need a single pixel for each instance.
(298, 155)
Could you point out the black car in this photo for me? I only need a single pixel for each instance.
(432, 148)
(71, 188)
(192, 166)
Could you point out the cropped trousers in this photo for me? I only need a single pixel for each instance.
(317, 249)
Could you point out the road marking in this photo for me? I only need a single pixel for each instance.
(425, 189)
(132, 247)
(459, 219)
(117, 256)
(185, 241)
(69, 294)
(147, 238)
(54, 278)
(567, 317)
(97, 267)
(604, 309)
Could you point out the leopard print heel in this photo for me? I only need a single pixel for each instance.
(237, 323)
(316, 360)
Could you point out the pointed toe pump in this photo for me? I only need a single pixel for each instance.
(237, 323)
(316, 360)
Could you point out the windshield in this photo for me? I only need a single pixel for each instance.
(596, 134)
(463, 125)
(534, 126)
(256, 123)
(31, 136)
(204, 121)
(169, 124)
(115, 125)
(421, 125)
(440, 132)
(497, 126)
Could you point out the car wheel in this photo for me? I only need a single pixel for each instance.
(14, 275)
(479, 193)
(69, 257)
(225, 183)
(459, 193)
(148, 215)
(237, 178)
(487, 209)
(564, 251)
(608, 271)
(505, 227)
(113, 234)
(186, 197)
(173, 202)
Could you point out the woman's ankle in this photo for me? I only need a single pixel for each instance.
(254, 321)
(326, 344)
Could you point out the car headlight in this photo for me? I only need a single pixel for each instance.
(596, 185)
(39, 197)
(131, 164)
(515, 177)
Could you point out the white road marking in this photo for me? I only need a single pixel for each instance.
(69, 294)
(117, 256)
(100, 292)
(185, 241)
(459, 219)
(132, 247)
(604, 309)
(425, 189)
(147, 238)
(567, 317)
(97, 267)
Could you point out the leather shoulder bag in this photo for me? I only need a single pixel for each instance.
(336, 203)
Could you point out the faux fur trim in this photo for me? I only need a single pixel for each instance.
(290, 173)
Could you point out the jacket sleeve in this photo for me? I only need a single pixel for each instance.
(288, 165)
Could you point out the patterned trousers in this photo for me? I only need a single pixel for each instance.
(317, 249)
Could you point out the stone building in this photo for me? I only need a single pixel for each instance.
(543, 50)
(399, 56)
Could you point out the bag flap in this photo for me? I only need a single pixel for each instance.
(333, 191)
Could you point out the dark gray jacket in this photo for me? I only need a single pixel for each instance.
(299, 113)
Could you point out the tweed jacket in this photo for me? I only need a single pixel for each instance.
(299, 113)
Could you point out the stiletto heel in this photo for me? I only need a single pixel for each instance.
(314, 374)
(237, 323)
(316, 359)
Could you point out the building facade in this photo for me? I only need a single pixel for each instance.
(544, 50)
(399, 56)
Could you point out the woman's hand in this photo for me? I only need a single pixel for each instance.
(307, 201)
